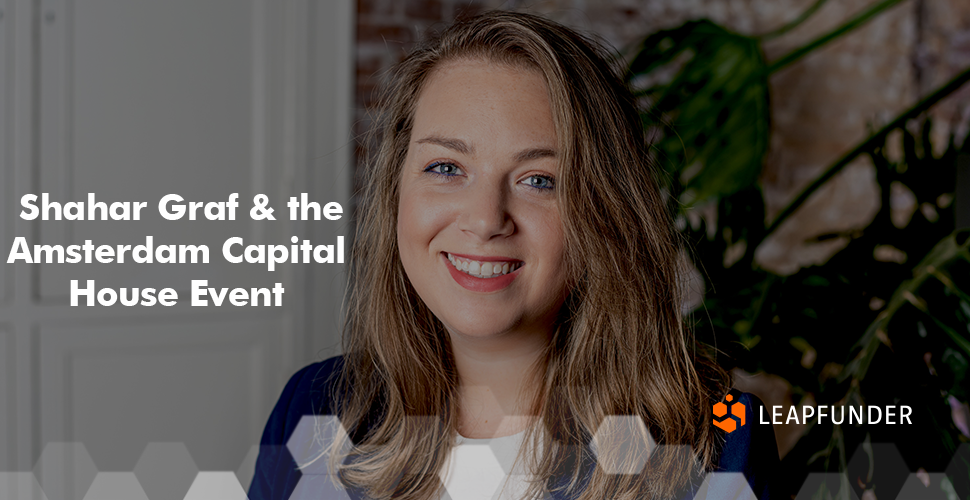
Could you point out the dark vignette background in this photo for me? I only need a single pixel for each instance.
(136, 100)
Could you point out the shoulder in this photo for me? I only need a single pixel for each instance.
(310, 391)
(750, 448)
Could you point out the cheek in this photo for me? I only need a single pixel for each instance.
(549, 233)
(420, 219)
(547, 243)
(408, 228)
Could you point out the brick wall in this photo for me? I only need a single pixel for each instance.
(386, 31)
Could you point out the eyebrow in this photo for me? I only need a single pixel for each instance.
(463, 148)
(453, 144)
(535, 154)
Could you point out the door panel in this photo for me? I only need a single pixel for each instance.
(144, 99)
(133, 101)
(116, 387)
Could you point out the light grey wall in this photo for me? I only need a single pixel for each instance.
(132, 101)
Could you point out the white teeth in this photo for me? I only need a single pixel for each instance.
(483, 269)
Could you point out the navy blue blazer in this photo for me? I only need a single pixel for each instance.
(749, 450)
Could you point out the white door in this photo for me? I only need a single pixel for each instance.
(133, 100)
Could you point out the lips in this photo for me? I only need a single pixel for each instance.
(486, 268)
(482, 274)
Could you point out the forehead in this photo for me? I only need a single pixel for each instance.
(472, 96)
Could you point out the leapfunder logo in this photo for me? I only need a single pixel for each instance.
(889, 414)
(731, 422)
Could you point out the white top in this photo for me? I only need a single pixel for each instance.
(485, 469)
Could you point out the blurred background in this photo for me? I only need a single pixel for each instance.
(815, 152)
(816, 156)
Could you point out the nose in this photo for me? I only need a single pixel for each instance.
(484, 211)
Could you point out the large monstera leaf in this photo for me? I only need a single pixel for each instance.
(885, 321)
(706, 90)
(933, 305)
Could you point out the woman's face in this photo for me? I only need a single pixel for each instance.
(479, 230)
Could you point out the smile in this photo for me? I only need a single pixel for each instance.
(483, 269)
(482, 274)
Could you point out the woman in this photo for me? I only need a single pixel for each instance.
(514, 279)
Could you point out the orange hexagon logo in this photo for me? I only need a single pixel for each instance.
(729, 423)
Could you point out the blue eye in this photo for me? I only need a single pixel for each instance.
(540, 182)
(443, 168)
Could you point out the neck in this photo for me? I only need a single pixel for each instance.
(499, 377)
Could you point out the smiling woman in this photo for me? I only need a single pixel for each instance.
(516, 285)
(480, 192)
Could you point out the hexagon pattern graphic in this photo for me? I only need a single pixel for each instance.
(310, 445)
(926, 486)
(20, 486)
(888, 469)
(221, 485)
(826, 486)
(116, 486)
(622, 444)
(485, 477)
(311, 441)
(489, 400)
(318, 487)
(247, 468)
(958, 471)
(65, 471)
(506, 451)
(725, 486)
(166, 470)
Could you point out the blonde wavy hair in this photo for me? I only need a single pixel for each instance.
(619, 347)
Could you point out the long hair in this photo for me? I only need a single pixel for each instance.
(619, 347)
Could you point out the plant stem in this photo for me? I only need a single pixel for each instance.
(809, 12)
(832, 35)
(948, 283)
(874, 140)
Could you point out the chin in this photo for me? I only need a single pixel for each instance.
(479, 324)
(478, 330)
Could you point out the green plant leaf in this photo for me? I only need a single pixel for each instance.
(934, 293)
(713, 112)
(886, 320)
